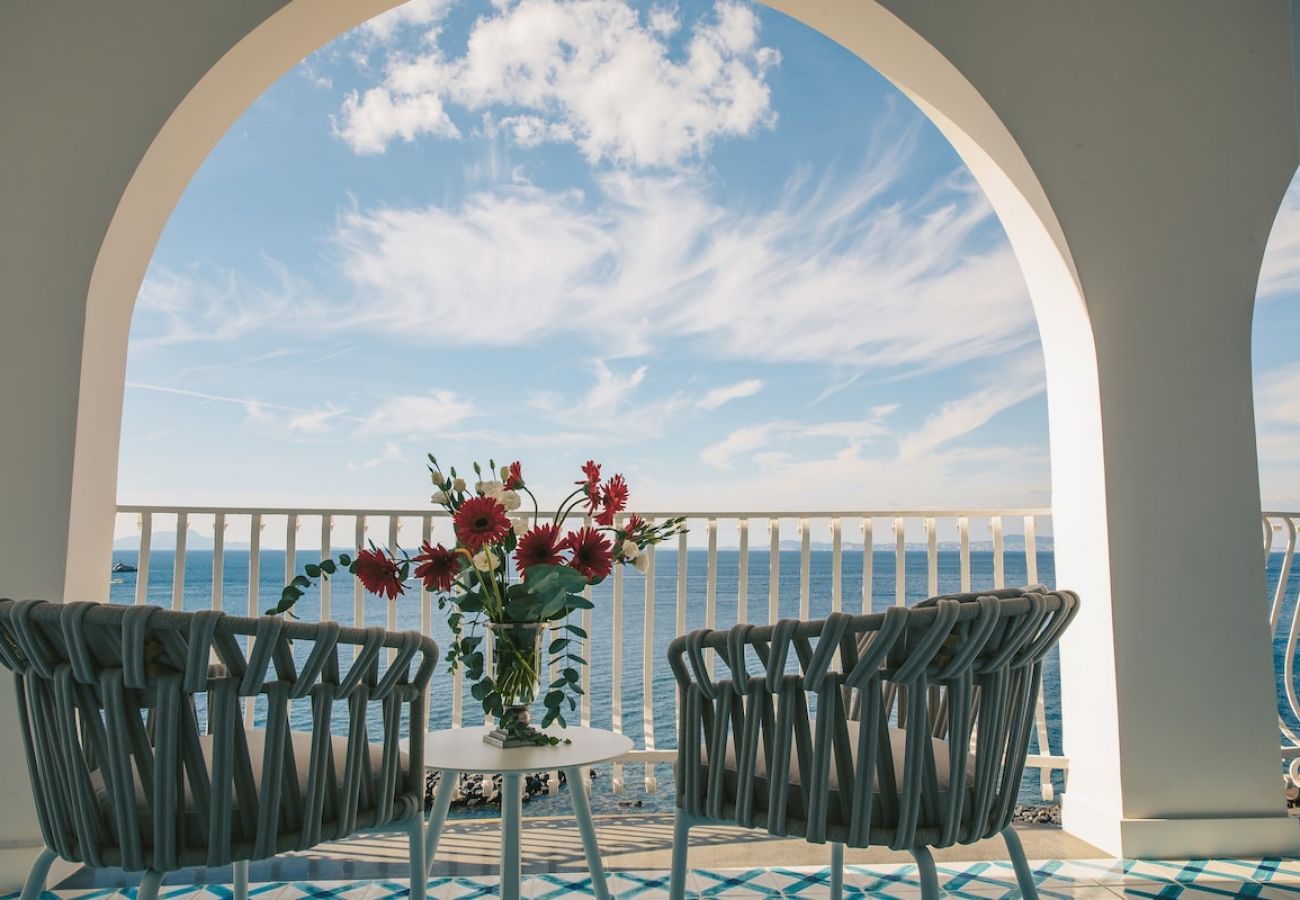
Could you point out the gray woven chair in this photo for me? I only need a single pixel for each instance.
(126, 775)
(907, 729)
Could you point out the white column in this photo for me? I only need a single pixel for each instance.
(1162, 136)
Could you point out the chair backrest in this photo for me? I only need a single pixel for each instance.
(124, 772)
(965, 668)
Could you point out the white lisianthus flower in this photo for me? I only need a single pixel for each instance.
(489, 488)
(436, 476)
(642, 563)
(439, 497)
(519, 524)
(486, 561)
(458, 484)
(508, 499)
(631, 550)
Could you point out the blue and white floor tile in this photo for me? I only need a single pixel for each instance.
(1099, 879)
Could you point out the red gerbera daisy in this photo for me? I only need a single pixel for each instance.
(378, 573)
(514, 479)
(633, 525)
(614, 497)
(479, 521)
(592, 555)
(591, 485)
(437, 567)
(538, 548)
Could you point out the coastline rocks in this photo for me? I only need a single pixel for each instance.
(1037, 815)
(477, 790)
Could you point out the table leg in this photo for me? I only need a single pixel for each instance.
(447, 782)
(587, 828)
(512, 810)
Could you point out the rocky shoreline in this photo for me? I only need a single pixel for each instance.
(1037, 815)
(476, 790)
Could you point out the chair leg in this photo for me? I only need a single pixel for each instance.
(929, 874)
(1024, 874)
(36, 877)
(148, 889)
(837, 871)
(419, 864)
(681, 843)
(240, 886)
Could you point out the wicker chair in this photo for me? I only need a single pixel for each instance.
(947, 671)
(125, 775)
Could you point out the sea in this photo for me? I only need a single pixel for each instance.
(641, 790)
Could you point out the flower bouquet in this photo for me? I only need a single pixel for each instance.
(485, 597)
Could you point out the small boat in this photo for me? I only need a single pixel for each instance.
(123, 567)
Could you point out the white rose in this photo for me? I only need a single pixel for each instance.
(642, 563)
(439, 497)
(519, 524)
(631, 550)
(508, 499)
(458, 485)
(486, 560)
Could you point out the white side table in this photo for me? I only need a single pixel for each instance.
(458, 750)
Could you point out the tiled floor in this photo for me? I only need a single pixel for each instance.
(1097, 878)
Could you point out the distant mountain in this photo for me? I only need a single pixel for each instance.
(1011, 543)
(166, 540)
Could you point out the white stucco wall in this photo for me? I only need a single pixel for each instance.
(1136, 154)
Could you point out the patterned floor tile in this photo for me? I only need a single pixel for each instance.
(1206, 890)
(646, 885)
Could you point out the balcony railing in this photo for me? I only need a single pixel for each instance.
(1284, 617)
(731, 567)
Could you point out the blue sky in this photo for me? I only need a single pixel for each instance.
(700, 243)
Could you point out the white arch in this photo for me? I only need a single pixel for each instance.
(1076, 122)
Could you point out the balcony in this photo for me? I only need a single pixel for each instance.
(749, 566)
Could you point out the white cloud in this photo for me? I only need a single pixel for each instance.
(386, 26)
(838, 272)
(391, 453)
(278, 417)
(610, 412)
(1280, 272)
(206, 304)
(586, 71)
(957, 418)
(740, 442)
(418, 415)
(720, 395)
(370, 121)
(1277, 396)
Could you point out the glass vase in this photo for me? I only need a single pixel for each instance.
(516, 671)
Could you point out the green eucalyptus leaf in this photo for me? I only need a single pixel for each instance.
(312, 571)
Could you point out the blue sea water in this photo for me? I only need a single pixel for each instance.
(198, 584)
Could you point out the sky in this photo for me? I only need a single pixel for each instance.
(699, 243)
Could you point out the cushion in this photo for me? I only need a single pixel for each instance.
(299, 740)
(897, 745)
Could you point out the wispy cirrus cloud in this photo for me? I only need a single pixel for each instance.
(433, 414)
(588, 72)
(840, 271)
(719, 396)
(1280, 272)
(210, 304)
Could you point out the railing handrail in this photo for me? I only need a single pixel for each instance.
(920, 513)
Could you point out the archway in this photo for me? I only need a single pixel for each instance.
(1076, 152)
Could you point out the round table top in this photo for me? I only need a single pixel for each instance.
(463, 750)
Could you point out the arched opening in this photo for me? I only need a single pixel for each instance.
(1082, 136)
(853, 302)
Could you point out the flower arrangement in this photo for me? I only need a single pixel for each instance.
(482, 593)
